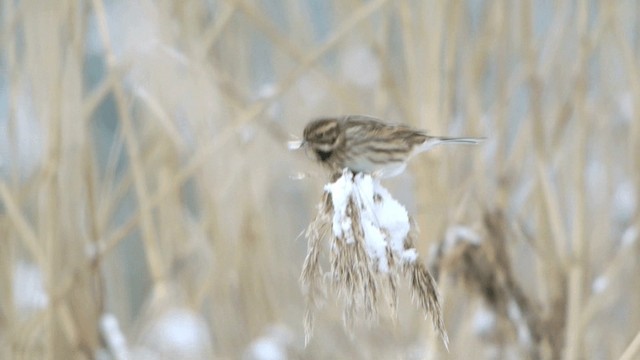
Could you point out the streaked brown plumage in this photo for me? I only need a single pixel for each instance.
(367, 144)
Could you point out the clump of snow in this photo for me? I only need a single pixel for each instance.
(177, 333)
(629, 236)
(625, 200)
(266, 349)
(116, 341)
(391, 216)
(272, 345)
(28, 288)
(600, 284)
(458, 233)
(341, 192)
(385, 222)
(484, 321)
(267, 92)
(409, 256)
(376, 245)
(515, 313)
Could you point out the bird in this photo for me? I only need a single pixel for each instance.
(366, 144)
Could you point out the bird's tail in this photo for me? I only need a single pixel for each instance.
(464, 140)
(437, 140)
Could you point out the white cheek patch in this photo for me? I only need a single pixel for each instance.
(325, 147)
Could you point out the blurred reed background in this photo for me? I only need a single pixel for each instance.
(149, 207)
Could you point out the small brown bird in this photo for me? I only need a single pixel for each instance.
(367, 144)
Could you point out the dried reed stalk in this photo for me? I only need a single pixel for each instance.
(484, 268)
(370, 241)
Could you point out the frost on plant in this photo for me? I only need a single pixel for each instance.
(369, 240)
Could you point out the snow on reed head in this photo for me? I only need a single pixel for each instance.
(369, 237)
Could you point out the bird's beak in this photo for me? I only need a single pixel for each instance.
(296, 144)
